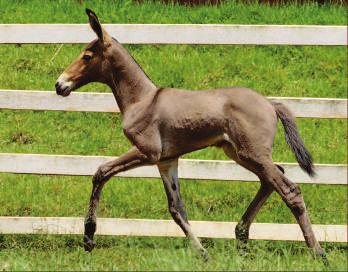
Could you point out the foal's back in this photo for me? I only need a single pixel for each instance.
(212, 107)
(191, 120)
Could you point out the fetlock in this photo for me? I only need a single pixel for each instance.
(90, 228)
(242, 232)
(242, 237)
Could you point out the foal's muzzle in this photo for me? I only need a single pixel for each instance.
(63, 91)
(63, 86)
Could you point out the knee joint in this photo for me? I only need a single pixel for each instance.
(152, 158)
(98, 176)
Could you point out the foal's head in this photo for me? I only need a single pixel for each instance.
(92, 63)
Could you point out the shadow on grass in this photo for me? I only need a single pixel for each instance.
(52, 242)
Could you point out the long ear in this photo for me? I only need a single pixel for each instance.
(96, 26)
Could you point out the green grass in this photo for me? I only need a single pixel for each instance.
(101, 134)
(65, 253)
(309, 71)
(312, 71)
(127, 11)
(132, 198)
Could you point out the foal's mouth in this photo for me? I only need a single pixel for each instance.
(63, 88)
(65, 91)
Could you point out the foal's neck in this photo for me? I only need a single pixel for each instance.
(129, 82)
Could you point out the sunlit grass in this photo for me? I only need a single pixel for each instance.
(65, 253)
(128, 11)
(309, 71)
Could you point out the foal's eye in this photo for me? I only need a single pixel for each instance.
(87, 57)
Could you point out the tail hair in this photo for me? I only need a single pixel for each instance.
(293, 138)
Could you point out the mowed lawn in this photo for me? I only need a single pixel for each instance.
(308, 71)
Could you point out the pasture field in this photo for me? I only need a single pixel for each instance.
(308, 71)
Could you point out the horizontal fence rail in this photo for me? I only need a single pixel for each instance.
(105, 102)
(148, 227)
(177, 34)
(188, 169)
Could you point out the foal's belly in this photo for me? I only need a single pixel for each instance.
(176, 142)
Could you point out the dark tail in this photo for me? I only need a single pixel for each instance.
(293, 138)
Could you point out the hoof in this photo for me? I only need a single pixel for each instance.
(319, 253)
(325, 261)
(243, 251)
(201, 254)
(322, 255)
(243, 248)
(88, 244)
(205, 255)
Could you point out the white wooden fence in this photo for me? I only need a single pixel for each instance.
(190, 169)
(105, 102)
(178, 34)
(148, 227)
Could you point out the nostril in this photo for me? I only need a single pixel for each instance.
(57, 84)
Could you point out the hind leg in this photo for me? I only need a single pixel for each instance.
(292, 197)
(243, 226)
(272, 176)
(265, 190)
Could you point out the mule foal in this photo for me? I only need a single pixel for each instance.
(165, 123)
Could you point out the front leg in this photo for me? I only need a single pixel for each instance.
(132, 159)
(169, 175)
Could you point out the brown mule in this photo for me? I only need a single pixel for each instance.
(165, 123)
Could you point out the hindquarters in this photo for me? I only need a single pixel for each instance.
(252, 124)
(252, 127)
